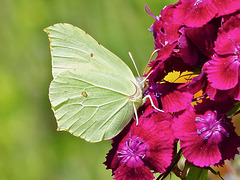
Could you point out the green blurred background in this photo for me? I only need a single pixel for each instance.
(30, 146)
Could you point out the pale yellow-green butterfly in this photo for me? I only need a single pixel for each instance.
(93, 94)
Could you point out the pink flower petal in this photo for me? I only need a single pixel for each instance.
(225, 7)
(176, 101)
(128, 173)
(223, 72)
(160, 151)
(199, 153)
(226, 43)
(195, 13)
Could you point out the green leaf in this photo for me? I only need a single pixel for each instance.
(196, 173)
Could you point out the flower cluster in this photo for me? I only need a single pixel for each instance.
(199, 39)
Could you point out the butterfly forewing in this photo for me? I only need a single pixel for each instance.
(73, 48)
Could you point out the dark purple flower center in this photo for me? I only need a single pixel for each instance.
(134, 150)
(210, 127)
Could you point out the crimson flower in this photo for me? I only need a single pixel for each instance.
(223, 71)
(207, 136)
(146, 146)
(200, 37)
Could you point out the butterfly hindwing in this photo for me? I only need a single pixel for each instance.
(94, 109)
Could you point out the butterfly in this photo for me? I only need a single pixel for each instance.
(93, 94)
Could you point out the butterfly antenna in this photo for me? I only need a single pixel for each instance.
(154, 52)
(145, 78)
(134, 63)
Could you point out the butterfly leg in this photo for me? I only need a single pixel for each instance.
(151, 101)
(135, 112)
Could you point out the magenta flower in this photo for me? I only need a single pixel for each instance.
(146, 146)
(223, 70)
(202, 37)
(206, 134)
